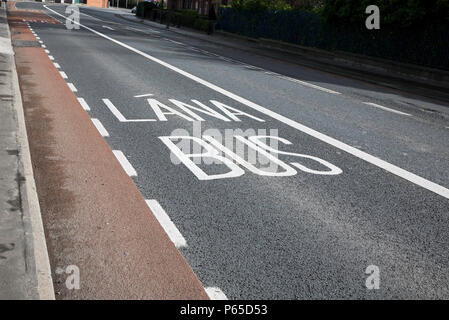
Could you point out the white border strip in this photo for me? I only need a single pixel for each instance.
(100, 127)
(164, 220)
(84, 104)
(426, 184)
(72, 87)
(129, 169)
(215, 293)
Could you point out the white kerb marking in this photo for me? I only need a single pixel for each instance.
(43, 46)
(100, 127)
(51, 57)
(47, 51)
(84, 104)
(386, 109)
(215, 293)
(57, 66)
(129, 169)
(166, 223)
(424, 183)
(63, 74)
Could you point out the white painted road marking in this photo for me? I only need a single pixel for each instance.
(129, 169)
(47, 52)
(120, 117)
(51, 58)
(166, 223)
(57, 66)
(84, 104)
(424, 183)
(215, 293)
(386, 109)
(143, 95)
(107, 27)
(63, 74)
(307, 84)
(100, 127)
(72, 87)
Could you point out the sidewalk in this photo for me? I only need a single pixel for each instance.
(24, 268)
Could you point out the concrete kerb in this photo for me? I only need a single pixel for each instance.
(36, 248)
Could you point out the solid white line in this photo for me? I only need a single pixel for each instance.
(429, 185)
(84, 104)
(72, 87)
(100, 127)
(51, 57)
(386, 109)
(166, 223)
(63, 74)
(215, 293)
(120, 117)
(57, 66)
(143, 95)
(125, 163)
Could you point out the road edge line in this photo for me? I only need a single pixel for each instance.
(30, 198)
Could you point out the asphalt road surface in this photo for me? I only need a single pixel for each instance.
(358, 177)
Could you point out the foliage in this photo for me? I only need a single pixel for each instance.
(400, 13)
(144, 9)
(423, 44)
(260, 5)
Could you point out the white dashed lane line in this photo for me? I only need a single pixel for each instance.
(100, 127)
(167, 224)
(84, 104)
(72, 87)
(126, 165)
(386, 109)
(215, 293)
(63, 74)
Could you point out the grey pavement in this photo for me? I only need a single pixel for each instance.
(304, 236)
(16, 272)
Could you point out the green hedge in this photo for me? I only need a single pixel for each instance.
(144, 9)
(421, 44)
